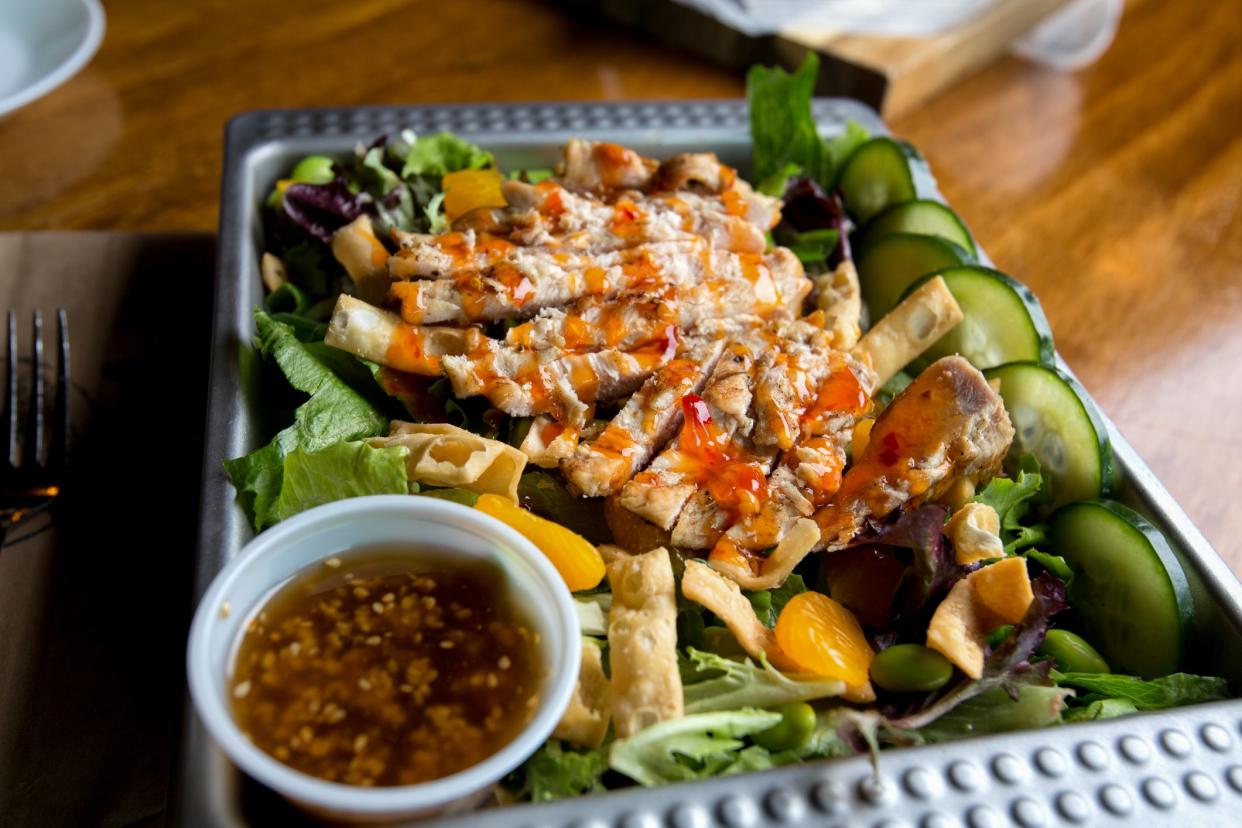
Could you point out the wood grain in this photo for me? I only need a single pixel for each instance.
(918, 68)
(1115, 192)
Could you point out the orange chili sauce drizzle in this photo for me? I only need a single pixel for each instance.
(708, 457)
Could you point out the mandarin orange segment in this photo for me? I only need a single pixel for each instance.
(575, 558)
(824, 638)
(467, 190)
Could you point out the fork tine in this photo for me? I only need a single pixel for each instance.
(34, 434)
(58, 453)
(10, 394)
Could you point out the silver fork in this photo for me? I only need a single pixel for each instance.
(33, 471)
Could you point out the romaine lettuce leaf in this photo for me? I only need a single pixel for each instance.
(335, 413)
(745, 684)
(443, 153)
(1158, 694)
(782, 129)
(785, 139)
(337, 472)
(556, 773)
(692, 747)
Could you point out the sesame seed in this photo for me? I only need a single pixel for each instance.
(374, 640)
(389, 598)
(446, 645)
(377, 608)
(406, 688)
(492, 681)
(332, 563)
(361, 592)
(241, 690)
(360, 743)
(295, 648)
(505, 662)
(363, 684)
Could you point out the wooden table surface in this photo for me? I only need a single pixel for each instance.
(1115, 192)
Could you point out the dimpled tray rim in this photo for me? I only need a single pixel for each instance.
(1182, 766)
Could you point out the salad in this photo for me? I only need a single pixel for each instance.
(809, 470)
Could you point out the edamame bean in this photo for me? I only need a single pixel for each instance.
(909, 668)
(795, 727)
(1072, 653)
(313, 169)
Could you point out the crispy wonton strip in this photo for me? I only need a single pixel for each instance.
(910, 329)
(642, 641)
(585, 721)
(724, 599)
(380, 336)
(957, 629)
(796, 545)
(445, 455)
(364, 259)
(837, 294)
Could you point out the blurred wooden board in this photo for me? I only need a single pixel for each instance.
(915, 69)
(892, 74)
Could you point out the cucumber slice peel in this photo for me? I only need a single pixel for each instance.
(1054, 419)
(888, 267)
(1002, 320)
(1129, 589)
(875, 175)
(922, 216)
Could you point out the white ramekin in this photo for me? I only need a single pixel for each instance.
(272, 558)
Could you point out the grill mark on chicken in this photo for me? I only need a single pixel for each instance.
(746, 484)
(629, 320)
(522, 281)
(526, 383)
(548, 214)
(649, 418)
(948, 424)
(661, 491)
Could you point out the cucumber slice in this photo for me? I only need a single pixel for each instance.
(892, 264)
(1055, 420)
(1128, 588)
(875, 175)
(1002, 320)
(923, 216)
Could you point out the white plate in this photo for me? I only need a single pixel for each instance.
(43, 43)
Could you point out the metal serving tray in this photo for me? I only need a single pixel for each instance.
(1176, 767)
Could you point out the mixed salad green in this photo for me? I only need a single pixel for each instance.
(1108, 592)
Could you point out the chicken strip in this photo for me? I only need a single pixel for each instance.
(526, 383)
(630, 319)
(809, 473)
(548, 214)
(526, 280)
(598, 167)
(947, 424)
(662, 489)
(646, 422)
